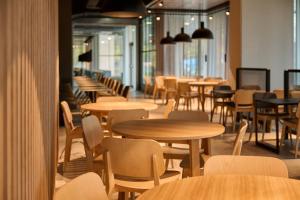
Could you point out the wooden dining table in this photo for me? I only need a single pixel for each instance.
(105, 107)
(174, 131)
(201, 89)
(226, 187)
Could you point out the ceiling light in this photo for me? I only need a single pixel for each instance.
(109, 38)
(210, 18)
(140, 17)
(161, 4)
(149, 11)
(202, 33)
(167, 40)
(193, 18)
(182, 37)
(148, 23)
(157, 18)
(186, 23)
(227, 13)
(123, 9)
(102, 42)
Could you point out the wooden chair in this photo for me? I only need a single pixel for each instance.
(243, 103)
(169, 108)
(170, 85)
(93, 136)
(184, 91)
(118, 116)
(180, 152)
(237, 148)
(245, 165)
(72, 132)
(88, 186)
(120, 90)
(147, 87)
(220, 100)
(290, 126)
(159, 88)
(134, 165)
(265, 111)
(125, 91)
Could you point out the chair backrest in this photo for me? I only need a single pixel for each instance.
(279, 93)
(113, 99)
(298, 111)
(195, 116)
(245, 165)
(118, 116)
(169, 107)
(159, 82)
(170, 83)
(295, 94)
(134, 157)
(125, 91)
(67, 115)
(238, 143)
(120, 89)
(244, 97)
(183, 88)
(262, 95)
(92, 130)
(87, 186)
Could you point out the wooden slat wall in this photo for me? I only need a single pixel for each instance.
(28, 98)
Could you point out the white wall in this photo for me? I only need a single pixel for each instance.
(267, 36)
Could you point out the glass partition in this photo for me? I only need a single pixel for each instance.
(253, 78)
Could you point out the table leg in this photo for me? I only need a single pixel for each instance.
(203, 98)
(277, 129)
(194, 157)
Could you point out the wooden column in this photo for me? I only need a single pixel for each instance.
(28, 98)
(235, 40)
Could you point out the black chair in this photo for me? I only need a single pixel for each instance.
(221, 99)
(125, 91)
(265, 111)
(120, 89)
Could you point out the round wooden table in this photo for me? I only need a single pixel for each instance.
(105, 107)
(165, 130)
(226, 187)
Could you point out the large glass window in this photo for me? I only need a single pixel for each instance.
(111, 52)
(148, 47)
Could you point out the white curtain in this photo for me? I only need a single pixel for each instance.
(218, 46)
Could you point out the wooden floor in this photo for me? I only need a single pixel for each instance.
(221, 145)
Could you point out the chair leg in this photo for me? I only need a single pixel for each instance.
(185, 172)
(283, 133)
(264, 130)
(234, 121)
(297, 146)
(212, 113)
(68, 150)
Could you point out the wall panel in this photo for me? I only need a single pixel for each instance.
(28, 98)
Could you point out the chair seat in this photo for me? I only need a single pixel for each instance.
(176, 152)
(140, 185)
(291, 122)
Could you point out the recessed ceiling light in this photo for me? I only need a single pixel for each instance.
(148, 23)
(157, 18)
(193, 18)
(210, 18)
(186, 23)
(161, 4)
(227, 13)
(102, 42)
(109, 38)
(149, 11)
(140, 17)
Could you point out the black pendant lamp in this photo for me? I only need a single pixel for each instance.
(202, 33)
(123, 8)
(168, 39)
(182, 37)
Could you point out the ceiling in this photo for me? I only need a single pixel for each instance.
(81, 6)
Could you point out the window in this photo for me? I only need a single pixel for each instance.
(148, 47)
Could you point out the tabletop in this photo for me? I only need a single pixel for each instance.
(226, 187)
(290, 101)
(165, 129)
(203, 83)
(126, 105)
